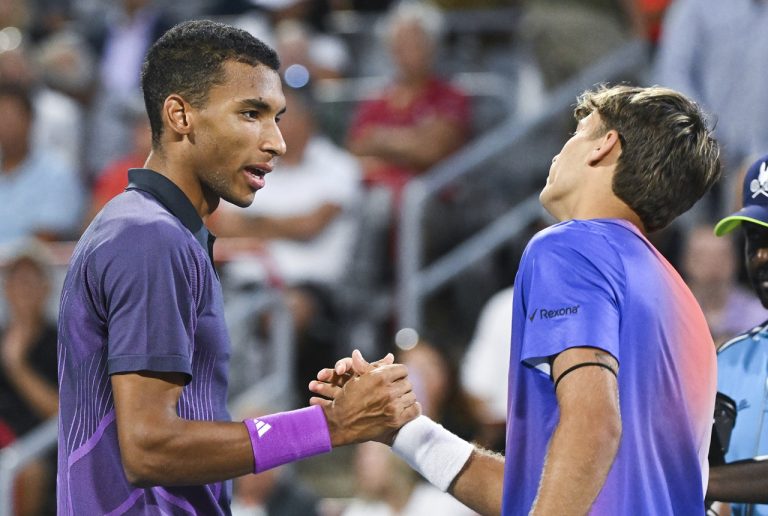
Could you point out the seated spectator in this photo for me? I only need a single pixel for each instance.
(387, 486)
(39, 195)
(28, 394)
(709, 267)
(58, 120)
(419, 119)
(299, 230)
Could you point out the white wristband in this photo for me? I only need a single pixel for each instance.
(437, 454)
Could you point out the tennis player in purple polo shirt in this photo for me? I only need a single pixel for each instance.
(612, 368)
(143, 347)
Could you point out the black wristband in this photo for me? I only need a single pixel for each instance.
(584, 364)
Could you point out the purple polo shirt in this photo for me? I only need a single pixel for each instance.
(140, 294)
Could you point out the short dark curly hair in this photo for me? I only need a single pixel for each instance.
(189, 60)
(669, 158)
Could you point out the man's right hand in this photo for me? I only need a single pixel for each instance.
(367, 401)
(330, 381)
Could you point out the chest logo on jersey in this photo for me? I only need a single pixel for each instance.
(545, 313)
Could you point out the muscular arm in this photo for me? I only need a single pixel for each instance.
(158, 447)
(744, 481)
(587, 435)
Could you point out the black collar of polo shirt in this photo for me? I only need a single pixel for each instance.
(174, 200)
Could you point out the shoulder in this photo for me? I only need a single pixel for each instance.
(135, 224)
(574, 252)
(579, 236)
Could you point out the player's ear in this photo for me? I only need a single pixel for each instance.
(176, 112)
(605, 145)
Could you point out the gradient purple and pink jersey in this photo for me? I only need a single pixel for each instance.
(600, 283)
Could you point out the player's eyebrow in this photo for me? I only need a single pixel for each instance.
(259, 105)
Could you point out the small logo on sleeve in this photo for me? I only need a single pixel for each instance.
(545, 313)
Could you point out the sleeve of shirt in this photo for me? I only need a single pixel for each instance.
(572, 296)
(151, 292)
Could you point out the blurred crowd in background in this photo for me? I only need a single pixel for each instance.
(379, 93)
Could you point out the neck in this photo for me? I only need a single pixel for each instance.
(185, 179)
(608, 207)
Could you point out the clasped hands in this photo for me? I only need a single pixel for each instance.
(365, 401)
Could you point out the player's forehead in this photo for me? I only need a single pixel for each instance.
(243, 83)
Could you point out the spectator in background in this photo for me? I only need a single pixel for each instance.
(57, 124)
(568, 36)
(419, 119)
(39, 195)
(709, 268)
(121, 42)
(300, 229)
(322, 56)
(28, 394)
(715, 52)
(386, 486)
(67, 65)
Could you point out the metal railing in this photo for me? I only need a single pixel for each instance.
(416, 281)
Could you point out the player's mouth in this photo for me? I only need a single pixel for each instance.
(254, 175)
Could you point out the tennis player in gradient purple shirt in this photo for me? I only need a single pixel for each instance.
(612, 369)
(143, 346)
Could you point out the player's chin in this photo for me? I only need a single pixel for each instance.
(241, 200)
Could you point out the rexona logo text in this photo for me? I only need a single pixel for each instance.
(545, 313)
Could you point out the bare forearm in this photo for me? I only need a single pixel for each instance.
(187, 453)
(299, 227)
(578, 460)
(479, 485)
(419, 147)
(744, 481)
